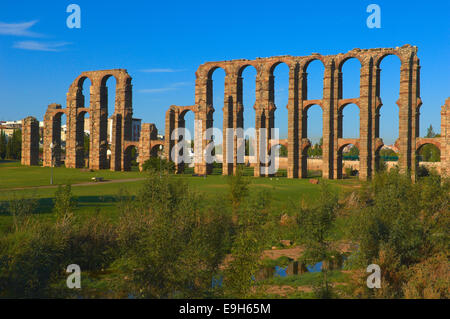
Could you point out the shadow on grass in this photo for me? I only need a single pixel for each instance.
(45, 205)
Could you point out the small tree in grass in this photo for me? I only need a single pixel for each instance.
(315, 225)
(64, 203)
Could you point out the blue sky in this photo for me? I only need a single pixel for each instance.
(161, 44)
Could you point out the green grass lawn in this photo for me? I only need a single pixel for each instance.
(14, 175)
(102, 196)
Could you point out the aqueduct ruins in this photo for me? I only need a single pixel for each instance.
(369, 102)
(332, 104)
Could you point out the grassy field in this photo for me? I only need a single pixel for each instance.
(17, 181)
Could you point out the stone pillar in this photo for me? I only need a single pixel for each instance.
(293, 123)
(170, 126)
(405, 117)
(303, 126)
(329, 101)
(445, 138)
(30, 141)
(148, 133)
(99, 126)
(238, 123)
(416, 103)
(52, 134)
(375, 105)
(365, 121)
(203, 121)
(266, 119)
(116, 142)
(229, 123)
(259, 122)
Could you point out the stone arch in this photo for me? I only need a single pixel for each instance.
(340, 161)
(53, 136)
(341, 106)
(422, 142)
(386, 109)
(156, 147)
(305, 76)
(128, 157)
(341, 75)
(81, 127)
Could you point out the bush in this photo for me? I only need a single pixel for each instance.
(159, 164)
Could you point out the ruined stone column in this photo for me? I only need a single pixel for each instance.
(267, 119)
(148, 134)
(170, 126)
(99, 125)
(293, 123)
(229, 124)
(365, 121)
(303, 126)
(116, 142)
(330, 96)
(374, 85)
(445, 138)
(416, 103)
(405, 117)
(30, 141)
(52, 134)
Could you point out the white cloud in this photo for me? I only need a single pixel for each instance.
(172, 87)
(19, 29)
(40, 46)
(161, 70)
(156, 90)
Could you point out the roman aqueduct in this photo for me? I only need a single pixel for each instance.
(332, 103)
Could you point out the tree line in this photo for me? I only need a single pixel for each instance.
(11, 147)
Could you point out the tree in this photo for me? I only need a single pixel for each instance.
(316, 150)
(430, 153)
(64, 202)
(3, 143)
(170, 244)
(283, 151)
(86, 144)
(14, 145)
(238, 190)
(398, 225)
(315, 227)
(430, 132)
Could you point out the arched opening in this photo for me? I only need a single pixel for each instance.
(110, 83)
(387, 116)
(350, 78)
(386, 157)
(248, 97)
(348, 121)
(347, 161)
(428, 153)
(86, 85)
(58, 146)
(280, 78)
(157, 151)
(217, 96)
(186, 124)
(313, 87)
(428, 157)
(83, 139)
(312, 129)
(282, 159)
(130, 158)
